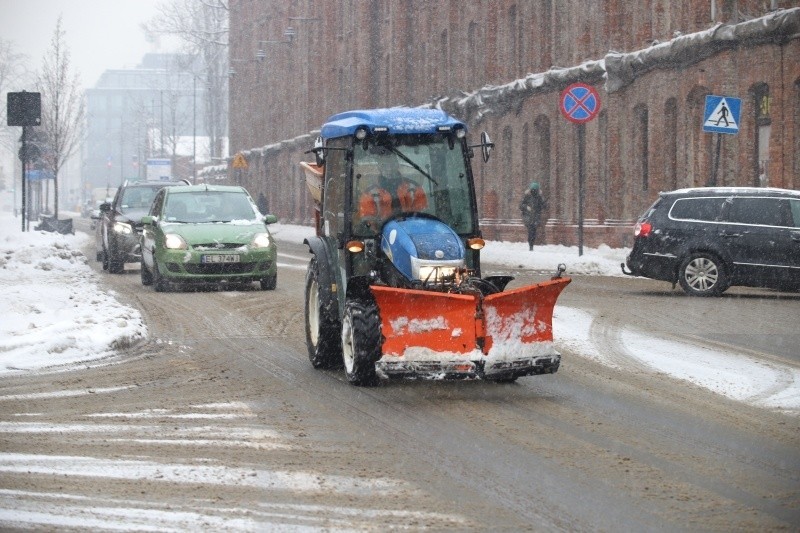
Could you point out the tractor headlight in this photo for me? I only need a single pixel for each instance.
(431, 271)
(173, 241)
(261, 240)
(123, 228)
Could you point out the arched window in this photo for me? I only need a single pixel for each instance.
(671, 144)
(641, 144)
(763, 122)
(508, 172)
(793, 180)
(697, 162)
(540, 160)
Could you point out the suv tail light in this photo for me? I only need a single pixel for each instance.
(642, 229)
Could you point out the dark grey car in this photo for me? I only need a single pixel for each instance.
(119, 223)
(708, 239)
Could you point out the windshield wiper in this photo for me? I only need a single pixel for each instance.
(405, 158)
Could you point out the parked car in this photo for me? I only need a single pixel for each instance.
(207, 233)
(708, 239)
(119, 223)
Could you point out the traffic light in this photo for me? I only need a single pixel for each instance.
(24, 109)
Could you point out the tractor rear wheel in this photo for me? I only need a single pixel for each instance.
(361, 342)
(322, 324)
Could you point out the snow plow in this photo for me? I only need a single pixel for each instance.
(394, 287)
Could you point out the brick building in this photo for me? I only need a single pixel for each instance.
(501, 66)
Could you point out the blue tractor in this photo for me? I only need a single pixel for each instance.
(394, 287)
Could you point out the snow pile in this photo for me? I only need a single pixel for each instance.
(53, 311)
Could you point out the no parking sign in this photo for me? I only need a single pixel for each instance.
(580, 103)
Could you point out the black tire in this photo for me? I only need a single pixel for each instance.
(323, 329)
(503, 379)
(116, 267)
(104, 258)
(361, 342)
(269, 284)
(703, 274)
(98, 256)
(159, 283)
(147, 277)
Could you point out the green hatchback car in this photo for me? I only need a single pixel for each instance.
(207, 234)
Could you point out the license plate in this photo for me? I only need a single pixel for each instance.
(220, 258)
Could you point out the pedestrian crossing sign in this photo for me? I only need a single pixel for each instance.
(722, 114)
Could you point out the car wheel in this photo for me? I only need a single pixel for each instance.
(147, 277)
(269, 284)
(322, 324)
(98, 255)
(104, 258)
(159, 283)
(116, 267)
(361, 342)
(703, 274)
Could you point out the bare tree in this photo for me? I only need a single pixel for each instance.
(12, 74)
(63, 106)
(202, 25)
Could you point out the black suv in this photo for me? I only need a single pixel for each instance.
(708, 239)
(119, 223)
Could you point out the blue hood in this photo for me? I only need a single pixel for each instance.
(426, 239)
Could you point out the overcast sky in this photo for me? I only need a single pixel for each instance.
(100, 34)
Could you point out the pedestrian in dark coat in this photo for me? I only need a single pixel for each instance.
(531, 207)
(261, 203)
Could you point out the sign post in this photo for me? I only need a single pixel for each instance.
(721, 115)
(24, 109)
(580, 103)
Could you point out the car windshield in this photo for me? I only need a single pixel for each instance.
(137, 198)
(410, 173)
(209, 206)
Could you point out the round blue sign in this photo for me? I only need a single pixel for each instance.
(580, 103)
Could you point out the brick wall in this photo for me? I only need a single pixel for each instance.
(413, 52)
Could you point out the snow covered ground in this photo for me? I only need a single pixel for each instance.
(51, 296)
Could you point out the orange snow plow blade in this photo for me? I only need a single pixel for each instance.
(462, 324)
(438, 321)
(523, 315)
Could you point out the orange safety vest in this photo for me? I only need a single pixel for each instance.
(412, 197)
(375, 202)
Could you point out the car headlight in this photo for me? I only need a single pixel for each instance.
(122, 227)
(261, 240)
(173, 241)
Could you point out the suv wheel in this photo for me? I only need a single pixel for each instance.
(703, 274)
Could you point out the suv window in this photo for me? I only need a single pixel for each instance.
(794, 208)
(765, 212)
(760, 211)
(703, 209)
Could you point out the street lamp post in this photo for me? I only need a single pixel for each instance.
(194, 128)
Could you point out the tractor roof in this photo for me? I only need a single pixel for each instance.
(402, 120)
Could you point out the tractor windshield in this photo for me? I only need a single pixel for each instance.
(410, 173)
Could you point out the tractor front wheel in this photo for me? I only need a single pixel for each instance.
(322, 324)
(361, 342)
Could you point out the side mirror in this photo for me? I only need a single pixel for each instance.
(319, 152)
(486, 146)
(270, 219)
(105, 207)
(148, 219)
